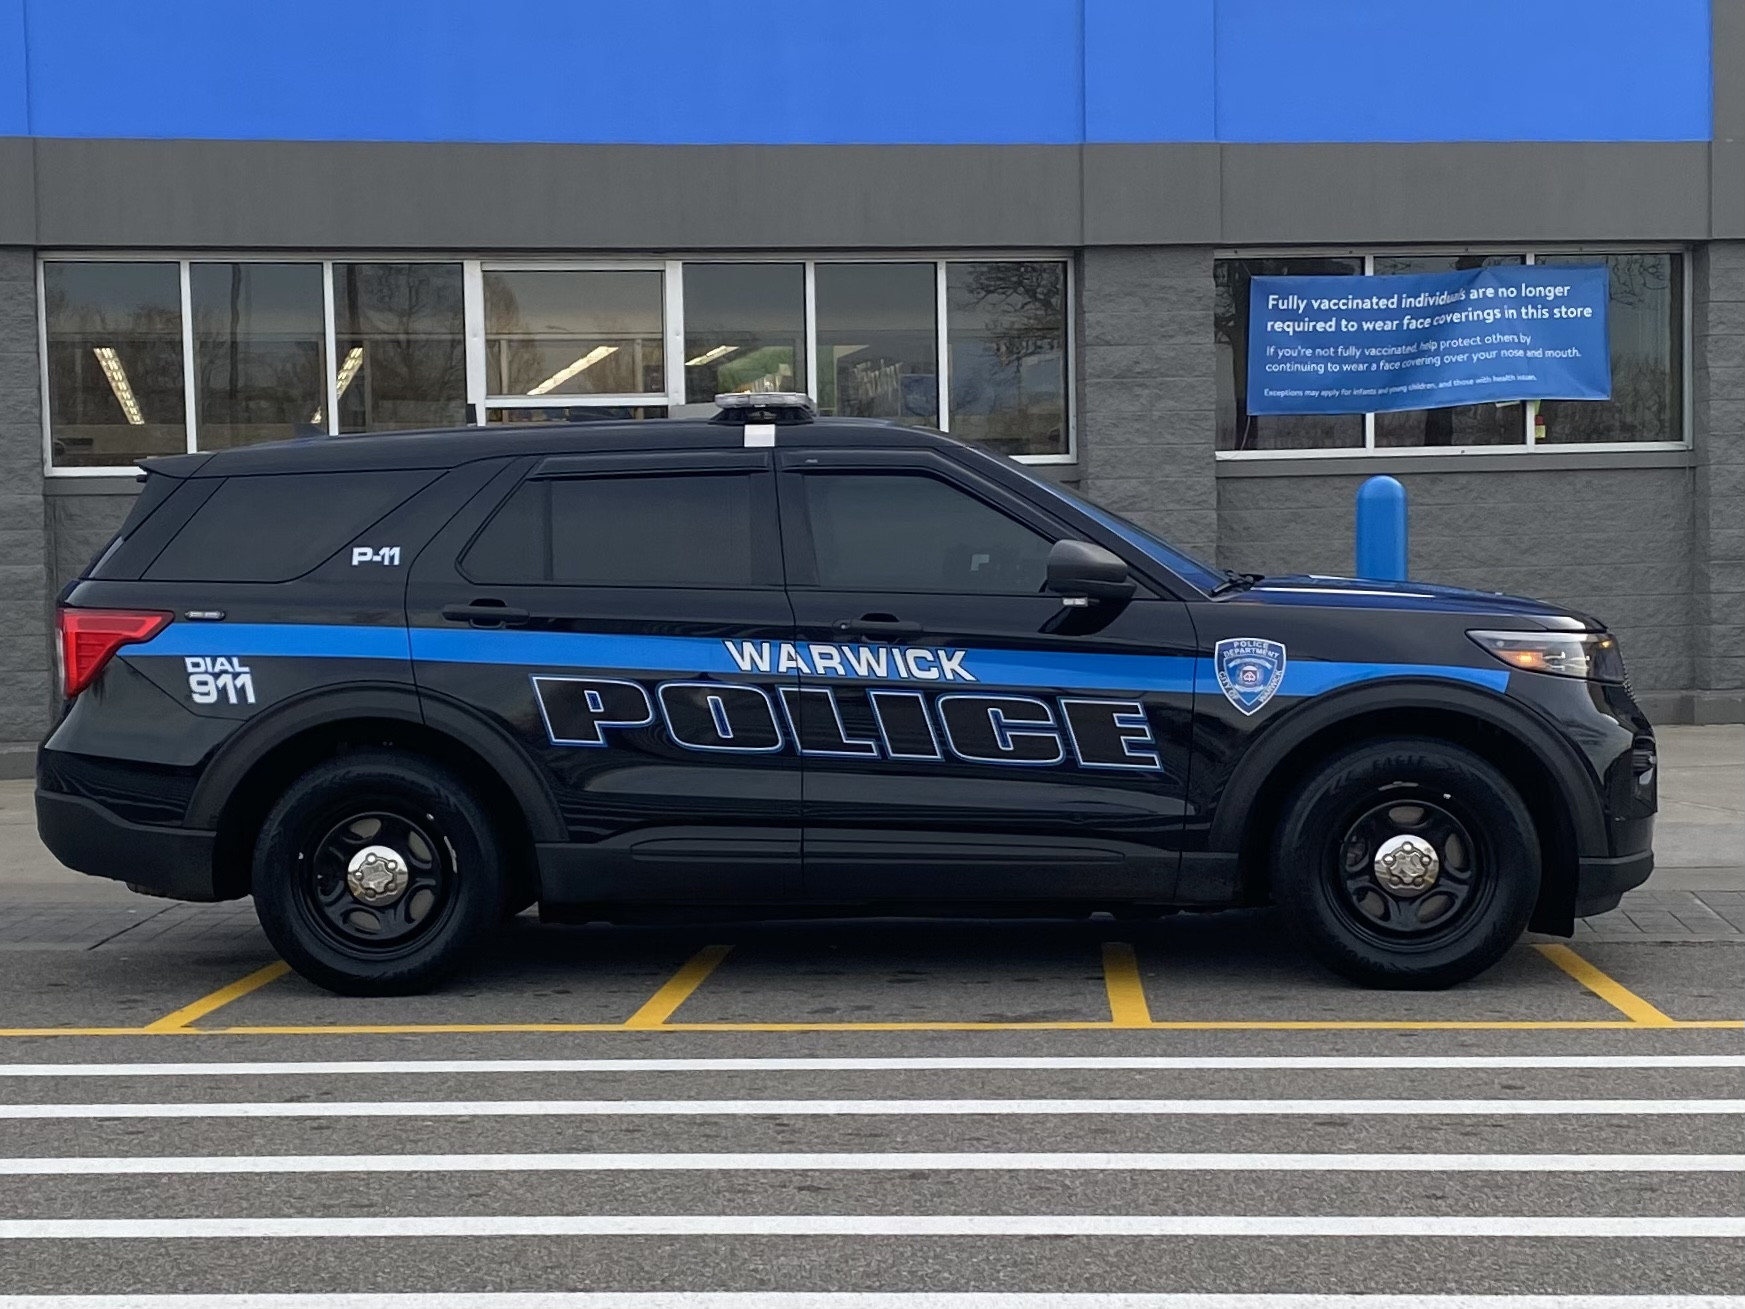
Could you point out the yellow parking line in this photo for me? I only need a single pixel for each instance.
(185, 1017)
(678, 988)
(1613, 992)
(1127, 1006)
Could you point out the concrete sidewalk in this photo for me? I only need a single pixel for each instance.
(1697, 892)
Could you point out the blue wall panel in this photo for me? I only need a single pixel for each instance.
(826, 72)
(1150, 70)
(652, 71)
(14, 97)
(1463, 70)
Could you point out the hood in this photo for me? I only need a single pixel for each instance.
(1362, 593)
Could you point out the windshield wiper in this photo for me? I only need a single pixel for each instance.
(1235, 581)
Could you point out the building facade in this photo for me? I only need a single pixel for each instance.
(1030, 222)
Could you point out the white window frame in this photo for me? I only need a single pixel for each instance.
(473, 267)
(1530, 408)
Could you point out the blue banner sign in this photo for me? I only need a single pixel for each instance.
(1352, 345)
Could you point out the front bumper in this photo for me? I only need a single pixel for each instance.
(1601, 882)
(169, 861)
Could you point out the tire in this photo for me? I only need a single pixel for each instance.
(1406, 923)
(407, 918)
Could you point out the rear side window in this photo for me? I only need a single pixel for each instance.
(272, 529)
(690, 530)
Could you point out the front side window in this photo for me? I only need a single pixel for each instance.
(913, 532)
(561, 332)
(399, 346)
(115, 390)
(259, 338)
(682, 530)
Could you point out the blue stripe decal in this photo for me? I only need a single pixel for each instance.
(1314, 677)
(683, 654)
(699, 654)
(294, 640)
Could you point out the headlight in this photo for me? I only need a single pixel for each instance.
(1590, 655)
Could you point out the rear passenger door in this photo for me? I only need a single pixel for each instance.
(593, 614)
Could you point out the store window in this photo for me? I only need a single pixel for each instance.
(115, 385)
(1645, 315)
(1237, 428)
(274, 348)
(1006, 328)
(1646, 323)
(399, 346)
(745, 329)
(1454, 425)
(878, 344)
(565, 332)
(258, 345)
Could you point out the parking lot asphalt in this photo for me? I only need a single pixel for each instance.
(884, 1113)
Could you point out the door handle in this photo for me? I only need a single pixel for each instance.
(486, 613)
(877, 625)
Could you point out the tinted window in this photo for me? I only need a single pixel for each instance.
(271, 529)
(673, 530)
(910, 532)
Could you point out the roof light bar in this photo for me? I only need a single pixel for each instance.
(759, 407)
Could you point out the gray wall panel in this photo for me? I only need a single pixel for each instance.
(17, 191)
(466, 196)
(1489, 191)
(1132, 192)
(1147, 399)
(1727, 41)
(79, 526)
(386, 195)
(26, 661)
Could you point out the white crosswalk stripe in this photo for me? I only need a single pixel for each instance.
(828, 1162)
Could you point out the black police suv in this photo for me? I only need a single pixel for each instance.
(398, 686)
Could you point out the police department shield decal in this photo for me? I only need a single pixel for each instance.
(1249, 670)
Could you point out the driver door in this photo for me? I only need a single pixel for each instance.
(965, 735)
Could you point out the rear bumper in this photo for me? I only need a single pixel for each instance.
(1601, 882)
(169, 861)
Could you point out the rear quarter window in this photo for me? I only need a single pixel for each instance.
(275, 528)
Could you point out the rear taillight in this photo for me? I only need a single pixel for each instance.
(88, 637)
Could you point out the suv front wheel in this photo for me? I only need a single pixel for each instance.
(1408, 863)
(377, 873)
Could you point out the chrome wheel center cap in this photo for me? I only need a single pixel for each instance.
(1406, 865)
(377, 875)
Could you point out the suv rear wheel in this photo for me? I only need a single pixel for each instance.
(377, 874)
(1408, 863)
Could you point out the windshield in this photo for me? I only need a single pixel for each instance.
(1182, 565)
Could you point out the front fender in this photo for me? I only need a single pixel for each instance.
(1570, 774)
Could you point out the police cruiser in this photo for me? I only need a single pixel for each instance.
(398, 686)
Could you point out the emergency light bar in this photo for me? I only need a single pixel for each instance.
(765, 407)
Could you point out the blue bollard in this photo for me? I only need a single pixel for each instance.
(1381, 530)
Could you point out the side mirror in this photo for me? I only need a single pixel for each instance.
(1081, 572)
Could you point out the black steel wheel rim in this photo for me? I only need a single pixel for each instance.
(378, 880)
(1375, 907)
